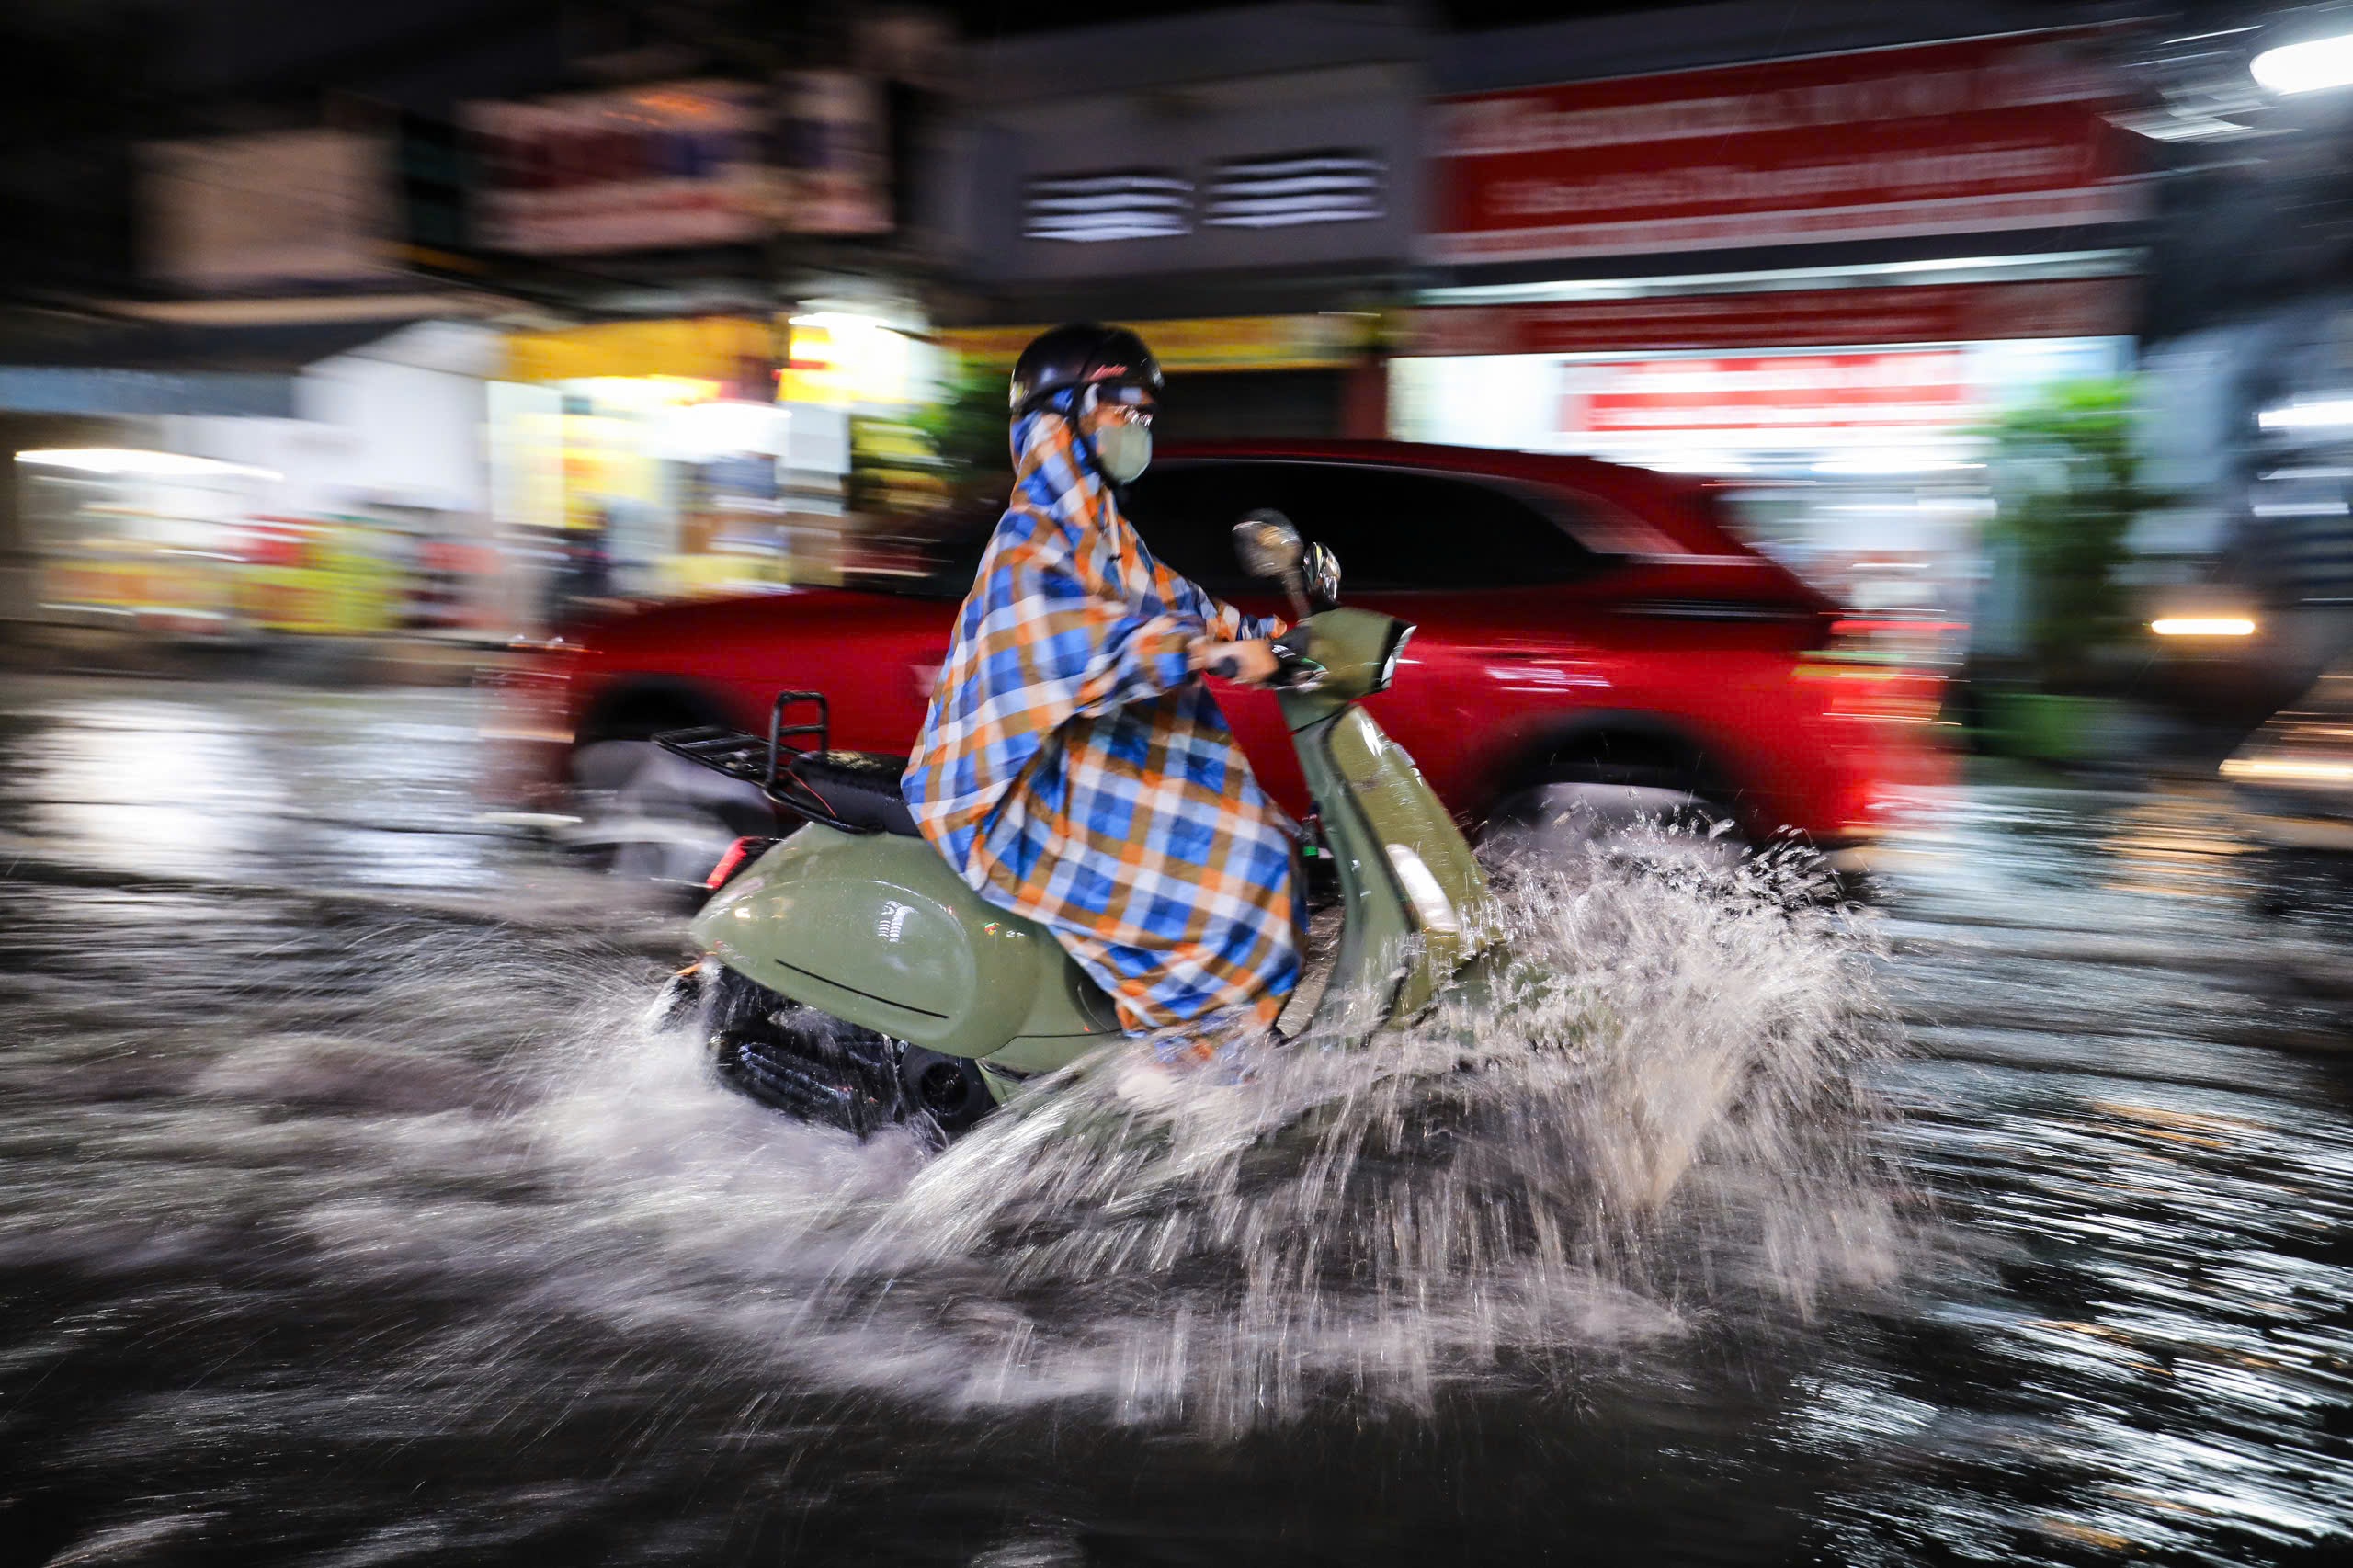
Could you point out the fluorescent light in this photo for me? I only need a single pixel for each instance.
(2202, 626)
(2326, 415)
(2285, 767)
(116, 461)
(2306, 67)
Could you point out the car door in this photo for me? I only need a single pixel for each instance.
(1186, 512)
(1460, 556)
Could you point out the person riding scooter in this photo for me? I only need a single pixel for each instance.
(1073, 767)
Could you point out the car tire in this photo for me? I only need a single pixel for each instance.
(647, 815)
(1574, 822)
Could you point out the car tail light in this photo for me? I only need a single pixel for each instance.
(739, 854)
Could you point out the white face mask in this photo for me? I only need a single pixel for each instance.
(1124, 450)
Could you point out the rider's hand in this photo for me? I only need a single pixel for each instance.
(1252, 664)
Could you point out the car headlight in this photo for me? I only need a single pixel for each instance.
(1431, 906)
(1389, 660)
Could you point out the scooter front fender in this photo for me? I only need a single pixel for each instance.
(1409, 882)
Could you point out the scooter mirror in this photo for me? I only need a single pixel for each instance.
(1321, 572)
(1267, 545)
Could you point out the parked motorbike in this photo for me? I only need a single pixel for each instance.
(850, 976)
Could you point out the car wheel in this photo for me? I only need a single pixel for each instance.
(1572, 823)
(647, 815)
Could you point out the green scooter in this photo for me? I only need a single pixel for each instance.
(850, 976)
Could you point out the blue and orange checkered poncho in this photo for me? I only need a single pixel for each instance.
(1073, 770)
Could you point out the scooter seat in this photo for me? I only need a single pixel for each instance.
(857, 790)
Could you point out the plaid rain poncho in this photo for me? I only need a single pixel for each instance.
(1073, 770)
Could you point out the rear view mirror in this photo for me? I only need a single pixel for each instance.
(1320, 575)
(1267, 545)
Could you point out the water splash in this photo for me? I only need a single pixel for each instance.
(1654, 1129)
(1654, 1125)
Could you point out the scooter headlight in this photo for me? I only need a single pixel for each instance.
(1397, 640)
(1431, 906)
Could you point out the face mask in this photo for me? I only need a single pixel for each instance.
(1124, 450)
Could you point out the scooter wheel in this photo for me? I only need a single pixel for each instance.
(948, 1089)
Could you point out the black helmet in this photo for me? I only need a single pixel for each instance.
(1080, 354)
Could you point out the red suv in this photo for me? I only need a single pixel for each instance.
(1580, 623)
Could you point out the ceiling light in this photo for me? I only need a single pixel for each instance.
(118, 461)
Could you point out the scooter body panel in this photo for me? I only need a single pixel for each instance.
(877, 930)
(1407, 876)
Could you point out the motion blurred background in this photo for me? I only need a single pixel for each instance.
(407, 410)
(362, 343)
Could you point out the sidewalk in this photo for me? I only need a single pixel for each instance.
(419, 658)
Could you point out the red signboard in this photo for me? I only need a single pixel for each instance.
(1983, 134)
(1787, 391)
(1795, 318)
(671, 164)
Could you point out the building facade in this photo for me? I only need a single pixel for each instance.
(1245, 185)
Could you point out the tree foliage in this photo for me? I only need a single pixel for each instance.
(968, 428)
(2068, 477)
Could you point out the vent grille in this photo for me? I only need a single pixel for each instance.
(1334, 187)
(1119, 204)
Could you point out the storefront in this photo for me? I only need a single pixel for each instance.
(703, 455)
(1863, 412)
(349, 501)
(1609, 291)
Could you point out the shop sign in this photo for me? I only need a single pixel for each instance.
(1768, 392)
(275, 207)
(1801, 318)
(1978, 135)
(667, 166)
(1324, 341)
(725, 350)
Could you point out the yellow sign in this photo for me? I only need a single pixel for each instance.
(1330, 340)
(710, 348)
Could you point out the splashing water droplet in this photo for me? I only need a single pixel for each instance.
(1658, 1118)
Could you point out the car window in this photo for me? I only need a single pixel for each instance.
(1392, 528)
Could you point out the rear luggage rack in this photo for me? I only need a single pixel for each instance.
(840, 789)
(748, 759)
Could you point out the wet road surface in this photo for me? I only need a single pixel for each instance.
(354, 1214)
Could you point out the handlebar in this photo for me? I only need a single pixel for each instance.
(1294, 671)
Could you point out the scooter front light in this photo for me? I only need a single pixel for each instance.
(1431, 906)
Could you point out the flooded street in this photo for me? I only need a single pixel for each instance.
(357, 1214)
